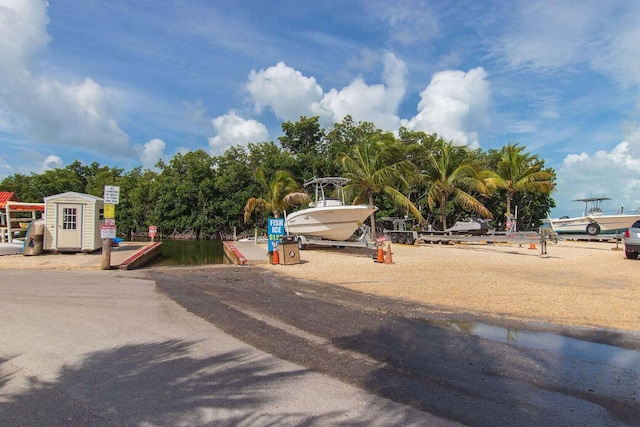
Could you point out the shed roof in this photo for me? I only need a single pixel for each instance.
(87, 197)
(6, 196)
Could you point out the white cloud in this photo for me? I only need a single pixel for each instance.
(563, 34)
(409, 22)
(152, 152)
(233, 130)
(40, 107)
(52, 162)
(291, 95)
(452, 104)
(22, 31)
(286, 91)
(618, 55)
(614, 174)
(373, 103)
(548, 34)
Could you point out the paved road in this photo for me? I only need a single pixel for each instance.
(105, 348)
(413, 355)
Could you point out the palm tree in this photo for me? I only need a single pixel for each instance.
(450, 172)
(520, 172)
(375, 166)
(280, 192)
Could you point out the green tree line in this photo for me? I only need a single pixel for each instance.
(412, 174)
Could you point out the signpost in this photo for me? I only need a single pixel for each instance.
(153, 232)
(108, 229)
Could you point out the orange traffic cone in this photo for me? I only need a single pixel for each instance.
(380, 254)
(276, 257)
(532, 245)
(387, 259)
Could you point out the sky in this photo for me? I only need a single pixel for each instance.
(126, 83)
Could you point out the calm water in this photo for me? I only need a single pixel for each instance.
(585, 350)
(191, 252)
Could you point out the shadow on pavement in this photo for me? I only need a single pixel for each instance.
(155, 384)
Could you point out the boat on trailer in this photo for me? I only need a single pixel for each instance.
(594, 221)
(328, 218)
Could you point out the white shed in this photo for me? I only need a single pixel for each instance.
(72, 222)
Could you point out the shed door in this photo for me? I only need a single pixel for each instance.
(69, 227)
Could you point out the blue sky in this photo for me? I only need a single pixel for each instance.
(127, 83)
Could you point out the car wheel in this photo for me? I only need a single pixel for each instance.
(593, 229)
(631, 254)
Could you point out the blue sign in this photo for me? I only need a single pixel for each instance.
(275, 231)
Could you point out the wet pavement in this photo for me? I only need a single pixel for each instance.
(409, 353)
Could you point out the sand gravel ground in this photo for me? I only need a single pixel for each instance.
(576, 283)
(584, 284)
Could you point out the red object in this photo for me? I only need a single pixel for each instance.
(276, 257)
(7, 196)
(380, 257)
(626, 234)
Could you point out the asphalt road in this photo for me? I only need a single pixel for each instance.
(105, 348)
(411, 354)
(227, 345)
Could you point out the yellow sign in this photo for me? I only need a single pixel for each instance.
(109, 210)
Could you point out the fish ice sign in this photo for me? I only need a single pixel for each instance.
(111, 194)
(275, 230)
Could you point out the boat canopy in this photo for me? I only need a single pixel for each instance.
(320, 183)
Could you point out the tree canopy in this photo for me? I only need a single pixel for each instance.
(414, 173)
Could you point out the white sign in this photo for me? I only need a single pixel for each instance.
(107, 231)
(111, 194)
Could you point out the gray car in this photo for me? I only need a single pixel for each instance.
(632, 241)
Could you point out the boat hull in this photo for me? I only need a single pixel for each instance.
(330, 223)
(608, 224)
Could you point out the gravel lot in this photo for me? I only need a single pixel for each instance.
(586, 284)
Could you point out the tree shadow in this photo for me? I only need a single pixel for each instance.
(156, 384)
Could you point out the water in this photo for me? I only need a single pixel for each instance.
(191, 252)
(572, 347)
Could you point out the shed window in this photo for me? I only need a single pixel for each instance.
(69, 218)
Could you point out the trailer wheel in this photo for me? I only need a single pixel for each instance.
(593, 229)
(301, 245)
(394, 238)
(410, 239)
(402, 238)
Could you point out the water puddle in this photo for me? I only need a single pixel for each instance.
(569, 347)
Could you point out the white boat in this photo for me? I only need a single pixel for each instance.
(326, 218)
(594, 221)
